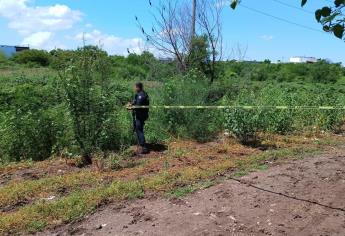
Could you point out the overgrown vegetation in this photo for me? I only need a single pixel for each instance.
(76, 107)
(245, 124)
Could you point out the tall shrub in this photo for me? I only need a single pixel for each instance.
(86, 84)
(189, 90)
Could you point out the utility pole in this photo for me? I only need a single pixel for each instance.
(193, 18)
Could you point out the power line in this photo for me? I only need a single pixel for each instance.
(281, 19)
(294, 7)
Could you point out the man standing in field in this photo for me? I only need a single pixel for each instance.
(140, 115)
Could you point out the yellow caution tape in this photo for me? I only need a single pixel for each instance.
(244, 107)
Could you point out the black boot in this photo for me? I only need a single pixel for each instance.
(144, 150)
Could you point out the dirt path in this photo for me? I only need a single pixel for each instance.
(305, 197)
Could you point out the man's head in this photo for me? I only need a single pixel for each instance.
(138, 87)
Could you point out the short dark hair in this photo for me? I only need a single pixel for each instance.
(139, 85)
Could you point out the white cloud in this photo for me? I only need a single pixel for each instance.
(37, 23)
(111, 43)
(48, 27)
(267, 37)
(38, 39)
(10, 8)
(27, 19)
(59, 10)
(88, 25)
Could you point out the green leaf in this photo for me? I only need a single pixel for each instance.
(304, 2)
(326, 11)
(338, 31)
(337, 3)
(233, 4)
(318, 15)
(326, 28)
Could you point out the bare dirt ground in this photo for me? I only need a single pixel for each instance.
(302, 197)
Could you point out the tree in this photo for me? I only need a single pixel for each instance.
(86, 85)
(199, 56)
(171, 31)
(178, 22)
(209, 19)
(331, 17)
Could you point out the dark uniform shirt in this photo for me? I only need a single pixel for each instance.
(141, 99)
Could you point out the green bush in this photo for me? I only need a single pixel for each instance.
(29, 136)
(141, 67)
(325, 72)
(245, 124)
(32, 57)
(95, 103)
(60, 59)
(117, 131)
(192, 90)
(32, 123)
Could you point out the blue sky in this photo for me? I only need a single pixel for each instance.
(61, 23)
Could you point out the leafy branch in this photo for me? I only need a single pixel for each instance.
(332, 17)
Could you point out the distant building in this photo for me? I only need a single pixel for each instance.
(303, 60)
(11, 50)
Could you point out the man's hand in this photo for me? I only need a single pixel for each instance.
(129, 106)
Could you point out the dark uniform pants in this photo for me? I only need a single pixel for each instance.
(139, 130)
